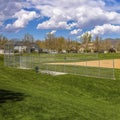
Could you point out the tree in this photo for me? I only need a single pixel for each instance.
(97, 43)
(68, 45)
(118, 46)
(77, 45)
(50, 41)
(40, 43)
(106, 44)
(112, 50)
(86, 39)
(60, 44)
(28, 38)
(3, 41)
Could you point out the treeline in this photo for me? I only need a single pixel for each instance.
(97, 44)
(85, 44)
(58, 44)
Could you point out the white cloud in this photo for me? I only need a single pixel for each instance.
(75, 32)
(1, 24)
(104, 29)
(23, 18)
(9, 7)
(85, 13)
(53, 32)
(51, 24)
(60, 14)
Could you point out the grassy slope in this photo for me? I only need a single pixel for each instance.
(31, 96)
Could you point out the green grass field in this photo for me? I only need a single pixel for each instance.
(26, 95)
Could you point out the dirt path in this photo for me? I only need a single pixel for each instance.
(96, 63)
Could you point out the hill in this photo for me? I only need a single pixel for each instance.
(26, 95)
(114, 42)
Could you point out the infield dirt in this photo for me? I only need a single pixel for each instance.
(96, 63)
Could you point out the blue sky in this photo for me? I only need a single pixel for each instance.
(68, 18)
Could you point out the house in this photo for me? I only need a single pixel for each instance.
(1, 51)
(33, 47)
(21, 47)
(87, 47)
(81, 49)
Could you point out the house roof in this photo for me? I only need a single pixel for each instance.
(28, 44)
(22, 43)
(19, 43)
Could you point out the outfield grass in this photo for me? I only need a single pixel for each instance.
(26, 95)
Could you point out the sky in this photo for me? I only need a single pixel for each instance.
(67, 18)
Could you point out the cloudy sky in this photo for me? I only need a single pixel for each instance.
(69, 18)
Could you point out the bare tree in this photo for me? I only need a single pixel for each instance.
(60, 44)
(50, 41)
(86, 39)
(28, 38)
(3, 41)
(106, 44)
(97, 43)
(118, 46)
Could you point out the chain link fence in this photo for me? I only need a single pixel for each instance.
(84, 64)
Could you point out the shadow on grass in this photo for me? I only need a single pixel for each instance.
(6, 95)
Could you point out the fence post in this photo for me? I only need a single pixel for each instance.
(99, 69)
(113, 69)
